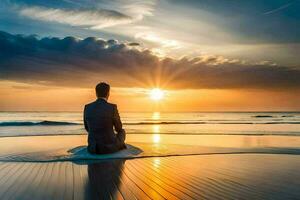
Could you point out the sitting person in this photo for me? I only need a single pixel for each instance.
(100, 120)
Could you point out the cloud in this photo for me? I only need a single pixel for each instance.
(95, 19)
(138, 8)
(90, 14)
(154, 38)
(84, 62)
(279, 8)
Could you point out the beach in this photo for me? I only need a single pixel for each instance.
(191, 177)
(134, 100)
(59, 167)
(168, 156)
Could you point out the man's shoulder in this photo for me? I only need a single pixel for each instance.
(111, 104)
(89, 104)
(105, 103)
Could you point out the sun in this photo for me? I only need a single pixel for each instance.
(156, 94)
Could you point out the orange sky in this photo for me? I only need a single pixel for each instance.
(25, 97)
(62, 77)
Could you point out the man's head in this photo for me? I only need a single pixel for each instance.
(102, 90)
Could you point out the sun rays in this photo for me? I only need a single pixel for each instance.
(156, 94)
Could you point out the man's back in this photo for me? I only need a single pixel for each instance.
(100, 120)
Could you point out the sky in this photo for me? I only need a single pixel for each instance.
(207, 55)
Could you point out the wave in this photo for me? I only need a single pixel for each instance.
(287, 116)
(170, 123)
(41, 123)
(297, 134)
(263, 116)
(61, 123)
(164, 122)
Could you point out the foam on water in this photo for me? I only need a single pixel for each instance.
(73, 148)
(80, 153)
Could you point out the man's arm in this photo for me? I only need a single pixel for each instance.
(117, 121)
(84, 120)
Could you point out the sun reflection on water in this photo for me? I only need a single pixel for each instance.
(156, 116)
(156, 138)
(156, 128)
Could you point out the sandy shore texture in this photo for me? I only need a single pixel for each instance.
(58, 167)
(190, 177)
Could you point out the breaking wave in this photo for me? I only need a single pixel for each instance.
(63, 123)
(40, 123)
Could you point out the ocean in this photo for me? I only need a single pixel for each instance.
(183, 123)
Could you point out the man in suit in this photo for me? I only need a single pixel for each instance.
(100, 120)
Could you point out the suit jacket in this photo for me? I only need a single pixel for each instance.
(100, 120)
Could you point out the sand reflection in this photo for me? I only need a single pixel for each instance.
(104, 179)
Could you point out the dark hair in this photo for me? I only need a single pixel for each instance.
(102, 89)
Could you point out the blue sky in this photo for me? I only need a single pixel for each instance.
(256, 30)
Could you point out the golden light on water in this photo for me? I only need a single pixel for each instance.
(156, 135)
(156, 138)
(156, 128)
(156, 115)
(156, 94)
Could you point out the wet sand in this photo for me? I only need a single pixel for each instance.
(57, 167)
(190, 177)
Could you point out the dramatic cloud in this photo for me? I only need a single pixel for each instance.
(82, 63)
(94, 15)
(95, 19)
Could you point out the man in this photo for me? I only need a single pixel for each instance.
(100, 120)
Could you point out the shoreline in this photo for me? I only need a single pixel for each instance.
(92, 160)
(175, 134)
(153, 167)
(73, 147)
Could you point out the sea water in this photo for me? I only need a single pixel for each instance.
(150, 134)
(183, 123)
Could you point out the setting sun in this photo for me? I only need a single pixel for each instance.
(156, 94)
